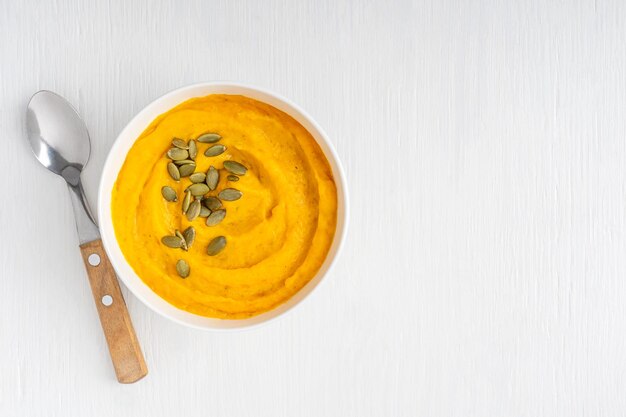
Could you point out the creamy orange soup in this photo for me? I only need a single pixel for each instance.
(278, 233)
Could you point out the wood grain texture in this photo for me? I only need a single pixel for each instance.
(119, 332)
(488, 280)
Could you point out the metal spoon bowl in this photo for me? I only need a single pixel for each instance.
(60, 141)
(56, 132)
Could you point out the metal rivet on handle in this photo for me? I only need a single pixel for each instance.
(94, 259)
(107, 300)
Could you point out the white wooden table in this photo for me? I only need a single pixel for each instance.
(485, 148)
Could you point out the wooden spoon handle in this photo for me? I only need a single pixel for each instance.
(124, 348)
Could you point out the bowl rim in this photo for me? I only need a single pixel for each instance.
(113, 250)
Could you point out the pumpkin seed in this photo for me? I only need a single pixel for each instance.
(232, 178)
(216, 217)
(204, 212)
(235, 167)
(184, 162)
(172, 241)
(194, 211)
(187, 169)
(173, 171)
(193, 149)
(216, 246)
(189, 235)
(177, 154)
(198, 189)
(182, 238)
(186, 201)
(212, 203)
(215, 150)
(179, 143)
(209, 138)
(230, 194)
(168, 193)
(212, 178)
(197, 177)
(182, 267)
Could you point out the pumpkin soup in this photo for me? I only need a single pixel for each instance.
(225, 206)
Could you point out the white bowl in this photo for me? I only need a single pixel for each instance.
(114, 163)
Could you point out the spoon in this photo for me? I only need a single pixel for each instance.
(60, 141)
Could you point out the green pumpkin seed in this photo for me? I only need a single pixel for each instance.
(216, 217)
(186, 201)
(193, 149)
(204, 212)
(209, 138)
(215, 150)
(184, 162)
(168, 193)
(187, 170)
(173, 171)
(194, 211)
(198, 189)
(197, 177)
(182, 267)
(216, 246)
(212, 203)
(212, 178)
(232, 178)
(230, 194)
(182, 238)
(189, 235)
(177, 154)
(235, 167)
(179, 143)
(172, 241)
